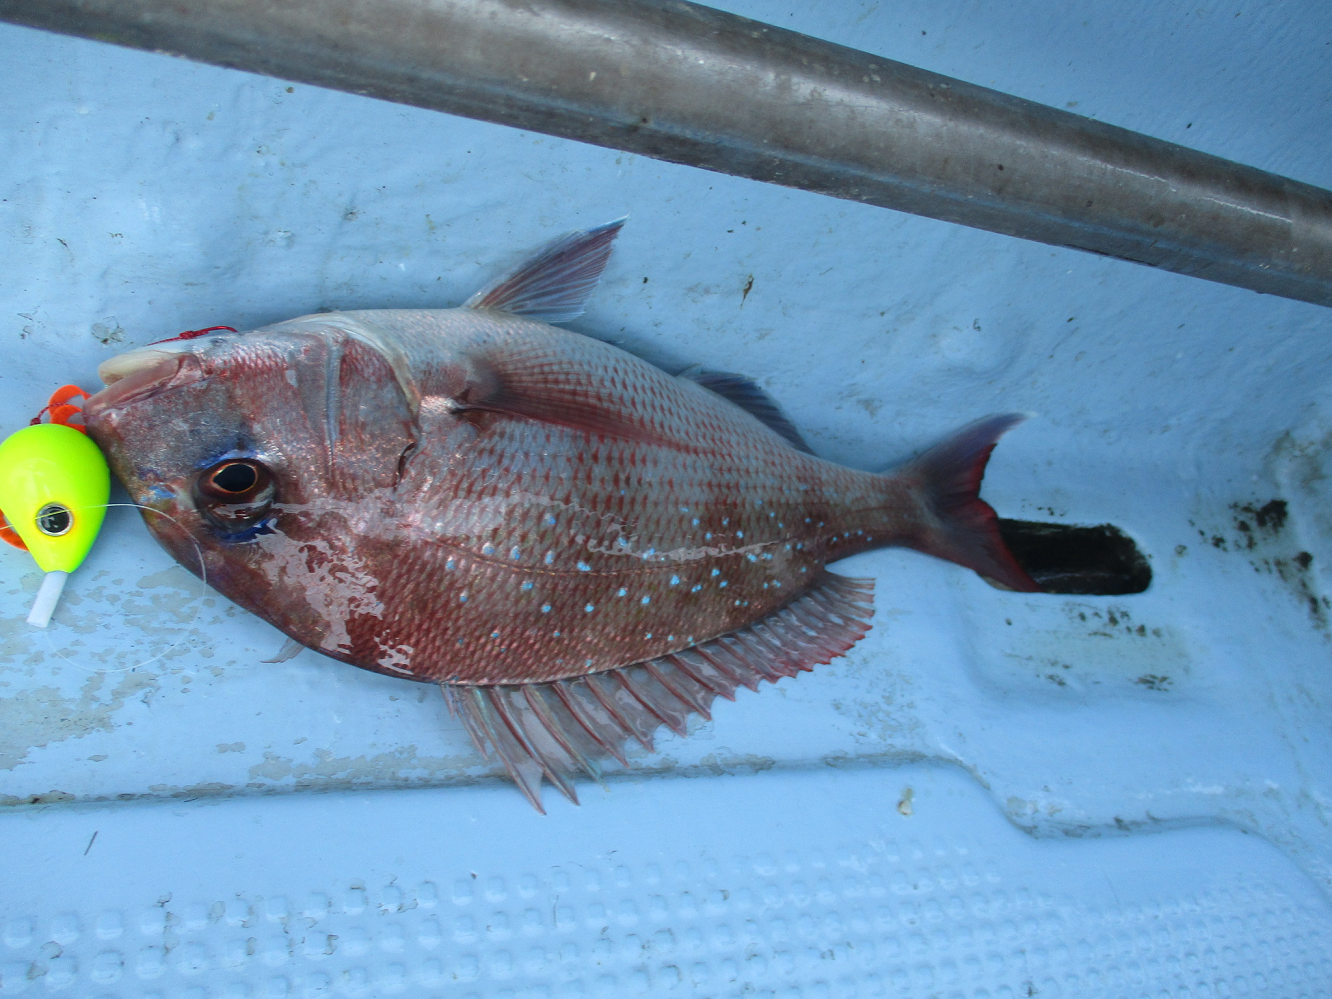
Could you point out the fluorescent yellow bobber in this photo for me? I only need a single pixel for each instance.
(54, 485)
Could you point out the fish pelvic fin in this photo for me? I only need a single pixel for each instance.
(554, 730)
(290, 649)
(553, 285)
(960, 526)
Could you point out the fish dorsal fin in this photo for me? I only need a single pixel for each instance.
(553, 730)
(553, 285)
(746, 394)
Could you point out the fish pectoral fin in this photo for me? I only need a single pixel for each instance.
(745, 393)
(553, 285)
(553, 730)
(546, 388)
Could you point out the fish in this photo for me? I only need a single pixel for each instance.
(577, 546)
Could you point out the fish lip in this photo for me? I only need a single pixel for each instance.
(138, 375)
(117, 368)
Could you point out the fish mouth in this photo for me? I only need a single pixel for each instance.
(139, 374)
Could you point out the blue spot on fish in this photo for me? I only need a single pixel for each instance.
(589, 608)
(647, 600)
(545, 608)
(527, 585)
(487, 549)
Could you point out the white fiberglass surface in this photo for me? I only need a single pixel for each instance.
(993, 793)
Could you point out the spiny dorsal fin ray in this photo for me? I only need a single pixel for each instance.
(552, 730)
(553, 284)
(745, 393)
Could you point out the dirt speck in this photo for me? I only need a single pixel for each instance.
(904, 804)
(1153, 681)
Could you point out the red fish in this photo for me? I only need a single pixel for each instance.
(577, 546)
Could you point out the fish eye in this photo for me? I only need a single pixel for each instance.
(53, 520)
(237, 480)
(234, 477)
(234, 497)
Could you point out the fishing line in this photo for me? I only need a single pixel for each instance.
(198, 604)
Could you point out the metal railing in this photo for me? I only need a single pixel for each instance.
(694, 85)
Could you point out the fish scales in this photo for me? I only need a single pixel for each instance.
(476, 498)
(552, 552)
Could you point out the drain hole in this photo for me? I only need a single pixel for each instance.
(1065, 558)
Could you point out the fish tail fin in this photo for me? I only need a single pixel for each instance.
(958, 525)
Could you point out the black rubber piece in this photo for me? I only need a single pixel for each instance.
(1070, 558)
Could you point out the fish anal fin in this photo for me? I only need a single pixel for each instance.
(745, 393)
(552, 730)
(553, 284)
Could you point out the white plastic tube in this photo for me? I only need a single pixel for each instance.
(47, 598)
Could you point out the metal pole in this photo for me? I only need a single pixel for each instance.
(697, 86)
